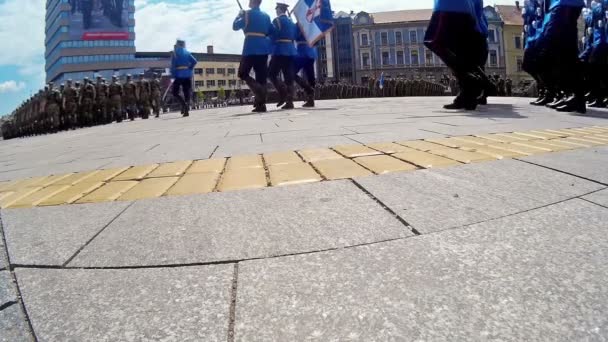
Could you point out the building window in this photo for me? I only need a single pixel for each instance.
(520, 63)
(364, 39)
(518, 42)
(209, 71)
(221, 83)
(221, 71)
(199, 84)
(385, 58)
(414, 57)
(231, 71)
(400, 58)
(198, 71)
(492, 36)
(384, 38)
(493, 58)
(413, 37)
(398, 37)
(210, 83)
(232, 83)
(428, 55)
(365, 60)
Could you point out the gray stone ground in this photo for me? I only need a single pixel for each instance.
(507, 250)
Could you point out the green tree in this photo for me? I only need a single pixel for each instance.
(222, 93)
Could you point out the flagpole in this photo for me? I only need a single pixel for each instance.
(239, 3)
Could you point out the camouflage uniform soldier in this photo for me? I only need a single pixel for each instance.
(143, 96)
(116, 93)
(129, 99)
(70, 106)
(40, 121)
(102, 102)
(155, 100)
(87, 102)
(78, 119)
(53, 102)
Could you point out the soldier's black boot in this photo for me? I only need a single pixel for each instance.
(310, 101)
(289, 98)
(575, 103)
(559, 101)
(282, 90)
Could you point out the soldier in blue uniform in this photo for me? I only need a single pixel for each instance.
(305, 63)
(558, 51)
(598, 55)
(283, 56)
(182, 67)
(257, 28)
(457, 35)
(533, 15)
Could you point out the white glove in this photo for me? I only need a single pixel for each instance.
(241, 13)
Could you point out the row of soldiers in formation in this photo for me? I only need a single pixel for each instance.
(568, 78)
(77, 105)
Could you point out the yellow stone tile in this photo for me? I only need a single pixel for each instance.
(587, 141)
(209, 165)
(26, 183)
(563, 144)
(353, 151)
(53, 180)
(35, 198)
(384, 164)
(340, 169)
(562, 132)
(17, 195)
(527, 150)
(425, 159)
(514, 137)
(605, 129)
(76, 178)
(240, 179)
(462, 156)
(281, 158)
(575, 142)
(533, 136)
(498, 138)
(4, 186)
(149, 188)
(494, 152)
(445, 142)
(135, 173)
(540, 145)
(594, 130)
(173, 169)
(389, 148)
(4, 195)
(574, 131)
(195, 183)
(317, 154)
(109, 192)
(549, 135)
(253, 161)
(105, 175)
(71, 194)
(472, 141)
(290, 174)
(420, 145)
(602, 137)
(586, 131)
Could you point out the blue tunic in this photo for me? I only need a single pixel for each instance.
(257, 28)
(567, 3)
(472, 7)
(283, 36)
(182, 63)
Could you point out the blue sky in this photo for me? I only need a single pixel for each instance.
(158, 24)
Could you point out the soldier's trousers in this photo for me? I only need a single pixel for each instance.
(87, 112)
(598, 71)
(284, 65)
(307, 66)
(259, 64)
(116, 108)
(185, 84)
(156, 103)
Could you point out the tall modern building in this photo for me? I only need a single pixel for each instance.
(85, 38)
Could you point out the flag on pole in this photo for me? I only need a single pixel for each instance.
(315, 19)
(382, 81)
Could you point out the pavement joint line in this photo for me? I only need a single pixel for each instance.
(233, 302)
(214, 150)
(8, 304)
(586, 200)
(97, 234)
(216, 188)
(266, 170)
(30, 326)
(386, 208)
(562, 171)
(153, 147)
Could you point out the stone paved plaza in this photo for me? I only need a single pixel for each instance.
(509, 249)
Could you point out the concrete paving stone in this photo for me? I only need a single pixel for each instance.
(245, 162)
(318, 154)
(108, 192)
(534, 276)
(462, 156)
(169, 304)
(135, 173)
(242, 225)
(16, 196)
(588, 163)
(8, 290)
(209, 165)
(39, 196)
(421, 145)
(149, 188)
(439, 199)
(384, 164)
(13, 326)
(76, 178)
(334, 169)
(170, 169)
(51, 235)
(388, 147)
(293, 173)
(600, 197)
(3, 261)
(353, 151)
(241, 179)
(71, 194)
(282, 158)
(195, 183)
(424, 159)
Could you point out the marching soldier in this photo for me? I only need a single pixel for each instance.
(182, 70)
(155, 99)
(70, 105)
(143, 96)
(305, 63)
(115, 94)
(283, 55)
(87, 102)
(102, 102)
(78, 87)
(129, 99)
(53, 102)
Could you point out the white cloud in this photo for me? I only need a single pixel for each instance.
(11, 86)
